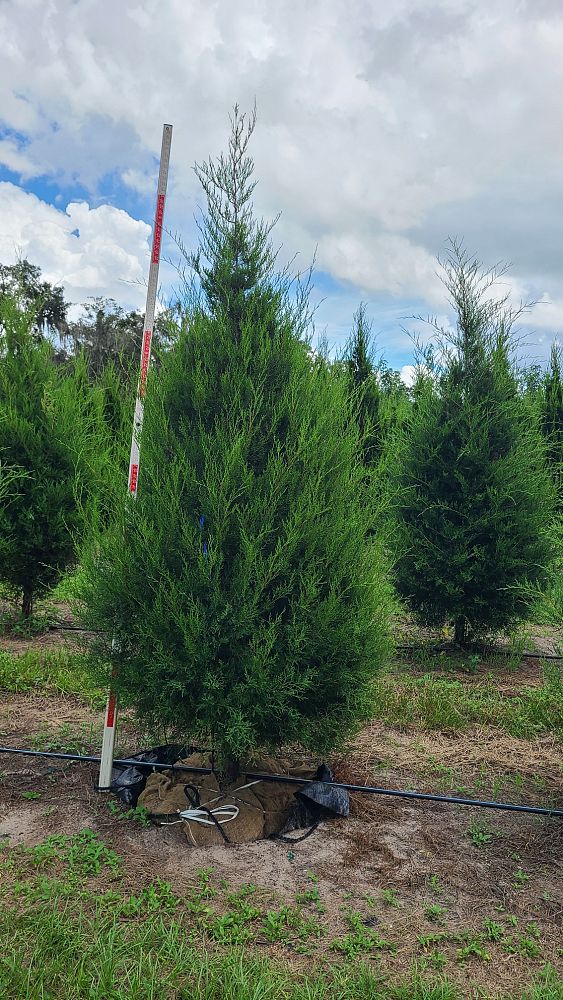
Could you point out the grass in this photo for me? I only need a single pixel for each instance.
(548, 608)
(68, 928)
(57, 670)
(431, 702)
(66, 589)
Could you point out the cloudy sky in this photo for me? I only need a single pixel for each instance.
(384, 127)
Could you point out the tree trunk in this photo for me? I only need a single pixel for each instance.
(27, 603)
(460, 631)
(228, 771)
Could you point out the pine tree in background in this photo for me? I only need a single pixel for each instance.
(379, 398)
(104, 406)
(248, 604)
(552, 415)
(365, 392)
(477, 502)
(41, 439)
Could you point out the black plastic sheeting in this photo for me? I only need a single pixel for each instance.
(128, 782)
(325, 799)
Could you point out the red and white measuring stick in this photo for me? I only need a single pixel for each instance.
(108, 742)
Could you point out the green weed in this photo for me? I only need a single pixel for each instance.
(83, 853)
(435, 885)
(361, 939)
(138, 814)
(435, 913)
(437, 959)
(474, 949)
(390, 897)
(493, 930)
(479, 834)
(521, 878)
(528, 947)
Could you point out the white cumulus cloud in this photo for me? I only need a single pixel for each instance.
(90, 251)
(383, 128)
(408, 375)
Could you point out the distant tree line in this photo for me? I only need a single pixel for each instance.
(104, 331)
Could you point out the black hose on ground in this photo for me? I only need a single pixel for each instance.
(287, 780)
(96, 760)
(528, 655)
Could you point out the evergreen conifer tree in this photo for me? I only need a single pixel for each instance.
(365, 390)
(40, 438)
(476, 503)
(552, 415)
(247, 602)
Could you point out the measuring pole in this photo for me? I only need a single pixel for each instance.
(108, 743)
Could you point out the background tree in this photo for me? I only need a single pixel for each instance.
(551, 409)
(365, 391)
(248, 603)
(379, 398)
(41, 437)
(477, 502)
(108, 334)
(21, 282)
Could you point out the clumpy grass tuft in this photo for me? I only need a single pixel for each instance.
(59, 670)
(430, 702)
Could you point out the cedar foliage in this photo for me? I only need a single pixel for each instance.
(365, 391)
(247, 602)
(40, 441)
(477, 503)
(552, 415)
(380, 400)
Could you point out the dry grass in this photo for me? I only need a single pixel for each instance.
(469, 751)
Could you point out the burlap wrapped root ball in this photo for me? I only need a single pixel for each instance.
(263, 807)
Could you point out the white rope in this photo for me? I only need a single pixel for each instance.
(201, 816)
(223, 814)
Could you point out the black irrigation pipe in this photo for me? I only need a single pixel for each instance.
(498, 652)
(287, 780)
(416, 795)
(96, 760)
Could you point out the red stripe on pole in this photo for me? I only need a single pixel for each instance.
(133, 478)
(157, 237)
(145, 359)
(110, 719)
(109, 729)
